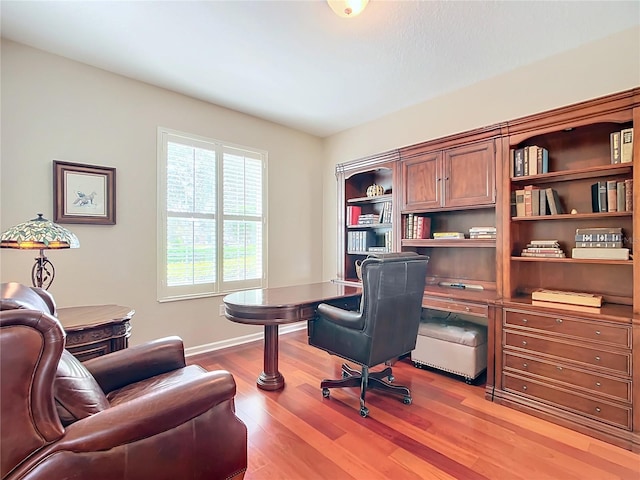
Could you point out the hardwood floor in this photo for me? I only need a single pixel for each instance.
(449, 431)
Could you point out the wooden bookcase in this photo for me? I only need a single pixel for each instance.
(354, 178)
(579, 369)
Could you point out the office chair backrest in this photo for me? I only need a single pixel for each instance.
(393, 286)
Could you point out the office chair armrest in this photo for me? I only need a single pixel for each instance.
(345, 318)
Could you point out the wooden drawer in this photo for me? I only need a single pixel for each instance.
(617, 415)
(603, 385)
(449, 305)
(600, 332)
(594, 357)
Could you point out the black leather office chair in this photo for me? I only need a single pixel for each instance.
(385, 327)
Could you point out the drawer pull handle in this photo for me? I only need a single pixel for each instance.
(598, 409)
(524, 342)
(525, 365)
(467, 309)
(524, 387)
(524, 320)
(558, 320)
(597, 332)
(597, 359)
(559, 369)
(598, 384)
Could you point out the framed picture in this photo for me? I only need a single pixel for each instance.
(84, 193)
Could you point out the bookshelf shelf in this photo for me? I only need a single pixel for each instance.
(608, 170)
(460, 243)
(596, 261)
(371, 226)
(575, 216)
(377, 199)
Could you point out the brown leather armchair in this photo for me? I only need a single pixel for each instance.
(139, 413)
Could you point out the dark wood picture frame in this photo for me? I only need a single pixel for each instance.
(84, 193)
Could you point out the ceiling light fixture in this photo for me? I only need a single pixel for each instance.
(347, 8)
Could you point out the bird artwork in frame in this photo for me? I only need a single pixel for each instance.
(84, 193)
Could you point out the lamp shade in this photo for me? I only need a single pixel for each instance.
(38, 234)
(347, 8)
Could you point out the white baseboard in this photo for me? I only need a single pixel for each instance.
(232, 342)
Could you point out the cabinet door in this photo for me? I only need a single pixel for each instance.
(422, 186)
(469, 175)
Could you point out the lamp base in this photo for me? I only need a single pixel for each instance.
(42, 272)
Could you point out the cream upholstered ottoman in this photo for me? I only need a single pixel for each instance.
(453, 345)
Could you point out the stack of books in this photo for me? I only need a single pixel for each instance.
(543, 248)
(600, 243)
(447, 235)
(576, 301)
(368, 219)
(482, 232)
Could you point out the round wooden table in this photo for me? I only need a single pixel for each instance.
(272, 307)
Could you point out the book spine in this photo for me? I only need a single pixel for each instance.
(615, 147)
(599, 197)
(628, 195)
(520, 203)
(519, 162)
(598, 244)
(580, 231)
(599, 237)
(626, 145)
(525, 161)
(620, 196)
(533, 160)
(612, 196)
(543, 160)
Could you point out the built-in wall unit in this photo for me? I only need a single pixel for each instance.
(530, 225)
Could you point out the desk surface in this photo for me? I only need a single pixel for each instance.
(283, 304)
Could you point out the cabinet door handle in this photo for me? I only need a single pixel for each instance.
(524, 342)
(559, 368)
(525, 365)
(467, 309)
(597, 358)
(524, 387)
(598, 384)
(524, 320)
(598, 409)
(558, 320)
(597, 332)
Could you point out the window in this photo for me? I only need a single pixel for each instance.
(211, 220)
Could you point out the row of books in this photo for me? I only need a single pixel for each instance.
(356, 217)
(369, 241)
(531, 160)
(543, 248)
(533, 201)
(622, 146)
(600, 243)
(612, 196)
(416, 226)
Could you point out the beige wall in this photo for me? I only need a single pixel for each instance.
(54, 108)
(597, 69)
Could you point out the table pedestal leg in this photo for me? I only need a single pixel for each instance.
(270, 378)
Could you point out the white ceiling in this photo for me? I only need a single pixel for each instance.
(297, 63)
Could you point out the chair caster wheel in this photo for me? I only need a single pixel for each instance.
(364, 412)
(406, 400)
(325, 392)
(391, 378)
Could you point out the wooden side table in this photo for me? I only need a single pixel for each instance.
(96, 330)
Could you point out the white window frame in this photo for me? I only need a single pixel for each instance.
(171, 293)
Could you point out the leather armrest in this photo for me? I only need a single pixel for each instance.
(150, 414)
(345, 318)
(136, 363)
